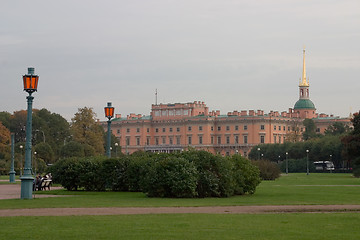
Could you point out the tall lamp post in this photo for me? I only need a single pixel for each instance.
(258, 149)
(307, 162)
(286, 163)
(109, 113)
(30, 85)
(116, 145)
(21, 166)
(12, 171)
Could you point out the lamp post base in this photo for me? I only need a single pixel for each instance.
(26, 187)
(12, 176)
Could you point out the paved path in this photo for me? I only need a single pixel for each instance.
(12, 191)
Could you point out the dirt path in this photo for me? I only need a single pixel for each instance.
(174, 210)
(12, 191)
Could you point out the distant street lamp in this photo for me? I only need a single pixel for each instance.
(35, 161)
(12, 171)
(30, 85)
(286, 163)
(258, 149)
(307, 162)
(109, 113)
(116, 145)
(21, 149)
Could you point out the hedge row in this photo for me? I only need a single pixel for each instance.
(188, 174)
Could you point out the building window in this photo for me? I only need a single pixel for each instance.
(245, 127)
(178, 140)
(170, 141)
(236, 139)
(137, 129)
(289, 129)
(128, 130)
(163, 140)
(274, 127)
(274, 139)
(245, 139)
(262, 139)
(189, 128)
(147, 141)
(164, 129)
(262, 127)
(148, 130)
(212, 140)
(156, 141)
(138, 141)
(200, 128)
(178, 129)
(200, 140)
(156, 130)
(227, 128)
(279, 139)
(279, 128)
(227, 140)
(118, 131)
(212, 128)
(189, 140)
(219, 128)
(236, 128)
(317, 129)
(170, 129)
(128, 141)
(219, 140)
(284, 128)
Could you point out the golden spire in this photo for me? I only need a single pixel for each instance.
(304, 82)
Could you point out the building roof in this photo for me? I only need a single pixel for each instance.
(304, 104)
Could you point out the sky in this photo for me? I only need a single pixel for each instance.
(231, 54)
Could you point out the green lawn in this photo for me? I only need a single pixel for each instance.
(289, 189)
(185, 226)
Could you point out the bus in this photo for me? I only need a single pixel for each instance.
(324, 166)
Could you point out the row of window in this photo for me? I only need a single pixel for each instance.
(189, 128)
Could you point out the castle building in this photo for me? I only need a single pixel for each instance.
(178, 126)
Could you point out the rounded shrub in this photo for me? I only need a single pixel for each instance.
(268, 170)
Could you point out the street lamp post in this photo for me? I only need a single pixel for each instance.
(12, 171)
(307, 162)
(109, 113)
(35, 162)
(30, 86)
(286, 163)
(258, 149)
(116, 145)
(21, 149)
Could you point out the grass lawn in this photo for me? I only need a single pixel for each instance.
(289, 189)
(185, 226)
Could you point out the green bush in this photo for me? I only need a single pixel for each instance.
(188, 174)
(268, 170)
(356, 170)
(170, 177)
(246, 175)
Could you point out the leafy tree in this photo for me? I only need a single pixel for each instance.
(352, 145)
(18, 125)
(72, 149)
(310, 129)
(85, 130)
(5, 118)
(337, 128)
(4, 140)
(45, 152)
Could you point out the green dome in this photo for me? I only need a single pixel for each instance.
(304, 103)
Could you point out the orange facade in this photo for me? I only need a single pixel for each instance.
(176, 127)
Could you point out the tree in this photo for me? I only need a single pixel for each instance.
(351, 144)
(4, 140)
(310, 129)
(5, 118)
(45, 152)
(337, 128)
(85, 129)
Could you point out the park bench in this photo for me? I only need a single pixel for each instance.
(45, 184)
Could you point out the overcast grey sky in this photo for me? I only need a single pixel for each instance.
(234, 55)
